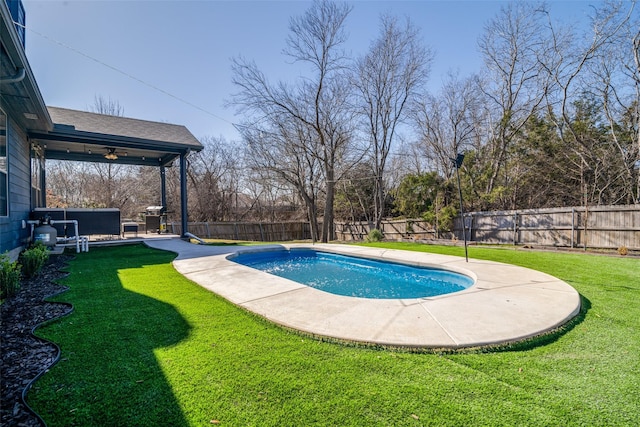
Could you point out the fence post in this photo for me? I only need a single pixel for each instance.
(573, 225)
(515, 228)
(586, 220)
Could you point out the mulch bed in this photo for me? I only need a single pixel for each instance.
(23, 356)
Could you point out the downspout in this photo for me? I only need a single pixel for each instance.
(18, 77)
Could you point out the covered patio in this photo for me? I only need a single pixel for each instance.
(91, 137)
(31, 133)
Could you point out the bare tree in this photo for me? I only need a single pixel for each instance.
(318, 103)
(615, 80)
(210, 174)
(107, 106)
(515, 84)
(588, 76)
(66, 184)
(388, 77)
(287, 153)
(445, 124)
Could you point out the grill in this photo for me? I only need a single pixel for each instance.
(155, 219)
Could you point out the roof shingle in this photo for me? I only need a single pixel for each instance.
(123, 126)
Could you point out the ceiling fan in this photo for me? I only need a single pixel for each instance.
(111, 154)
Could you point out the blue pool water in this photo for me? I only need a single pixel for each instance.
(355, 277)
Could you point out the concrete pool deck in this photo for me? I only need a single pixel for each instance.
(506, 304)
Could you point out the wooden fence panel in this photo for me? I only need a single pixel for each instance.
(352, 231)
(260, 232)
(395, 230)
(597, 227)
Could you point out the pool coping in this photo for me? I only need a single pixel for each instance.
(506, 304)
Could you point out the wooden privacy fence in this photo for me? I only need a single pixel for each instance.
(392, 229)
(577, 227)
(253, 231)
(596, 227)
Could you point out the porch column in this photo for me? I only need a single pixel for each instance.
(163, 187)
(183, 193)
(43, 184)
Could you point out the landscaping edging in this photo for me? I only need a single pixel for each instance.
(25, 356)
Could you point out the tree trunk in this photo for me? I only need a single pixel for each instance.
(379, 205)
(327, 221)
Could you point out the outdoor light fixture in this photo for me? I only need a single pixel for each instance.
(111, 154)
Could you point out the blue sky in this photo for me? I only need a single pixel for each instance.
(183, 49)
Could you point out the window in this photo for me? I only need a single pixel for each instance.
(17, 13)
(4, 166)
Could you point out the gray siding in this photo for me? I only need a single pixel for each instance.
(12, 235)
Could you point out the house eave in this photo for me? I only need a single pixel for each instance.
(22, 98)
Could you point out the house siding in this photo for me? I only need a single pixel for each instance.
(12, 235)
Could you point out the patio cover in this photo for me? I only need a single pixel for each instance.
(88, 137)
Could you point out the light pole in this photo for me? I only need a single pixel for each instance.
(458, 162)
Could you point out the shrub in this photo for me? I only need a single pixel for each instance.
(9, 277)
(375, 235)
(622, 250)
(33, 259)
(446, 216)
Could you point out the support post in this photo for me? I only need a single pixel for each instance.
(43, 184)
(163, 187)
(183, 194)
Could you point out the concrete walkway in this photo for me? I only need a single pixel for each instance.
(506, 304)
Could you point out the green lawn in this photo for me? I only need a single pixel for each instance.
(147, 347)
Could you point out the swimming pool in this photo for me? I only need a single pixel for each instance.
(354, 276)
(506, 304)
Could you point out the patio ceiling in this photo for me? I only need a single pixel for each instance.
(88, 137)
